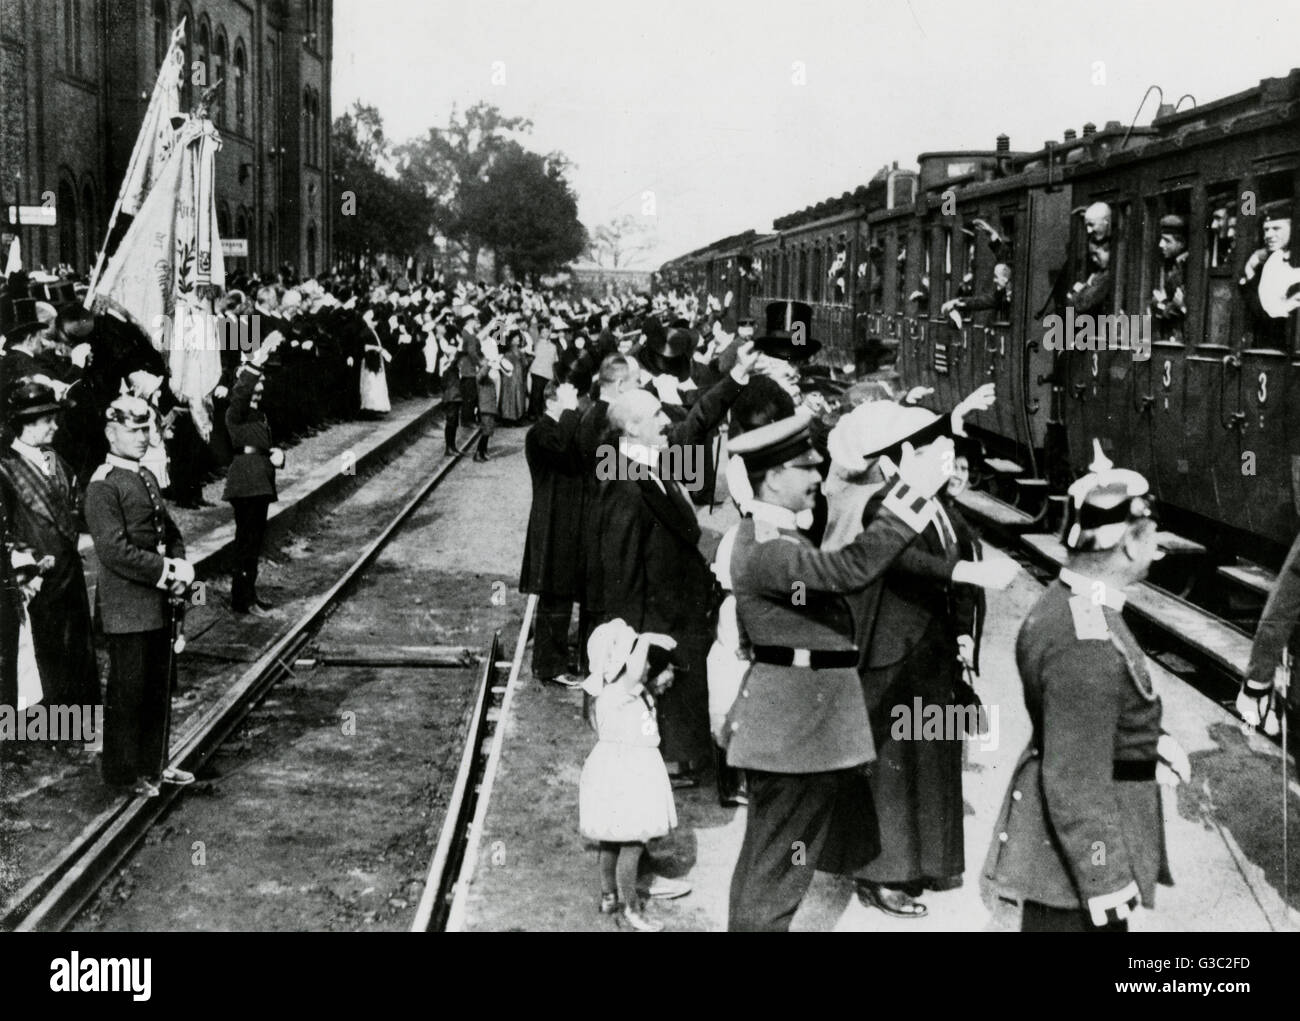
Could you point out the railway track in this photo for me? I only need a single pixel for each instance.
(52, 898)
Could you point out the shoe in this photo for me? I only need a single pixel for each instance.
(451, 451)
(480, 458)
(178, 777)
(251, 611)
(891, 901)
(663, 888)
(635, 920)
(145, 789)
(262, 604)
(609, 904)
(562, 681)
(683, 781)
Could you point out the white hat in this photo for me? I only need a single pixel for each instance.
(608, 650)
(870, 429)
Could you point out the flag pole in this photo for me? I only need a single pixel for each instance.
(129, 176)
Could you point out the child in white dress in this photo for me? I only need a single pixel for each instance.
(624, 796)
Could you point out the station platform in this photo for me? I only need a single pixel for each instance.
(532, 870)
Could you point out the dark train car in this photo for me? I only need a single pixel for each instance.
(1211, 416)
(821, 256)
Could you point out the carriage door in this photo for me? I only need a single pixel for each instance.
(1038, 260)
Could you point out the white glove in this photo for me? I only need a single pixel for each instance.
(80, 355)
(987, 574)
(1113, 907)
(276, 456)
(1258, 708)
(980, 400)
(179, 570)
(917, 393)
(966, 651)
(1174, 766)
(927, 472)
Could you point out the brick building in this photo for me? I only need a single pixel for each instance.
(75, 79)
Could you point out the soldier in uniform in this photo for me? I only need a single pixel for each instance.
(1080, 838)
(799, 726)
(141, 563)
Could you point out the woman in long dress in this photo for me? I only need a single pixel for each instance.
(514, 386)
(374, 382)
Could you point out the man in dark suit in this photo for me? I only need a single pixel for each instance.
(799, 727)
(250, 482)
(141, 564)
(652, 573)
(552, 555)
(42, 502)
(1080, 838)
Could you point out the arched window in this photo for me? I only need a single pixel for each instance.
(306, 125)
(187, 69)
(203, 54)
(223, 219)
(93, 240)
(241, 88)
(67, 214)
(268, 256)
(219, 75)
(161, 32)
(311, 250)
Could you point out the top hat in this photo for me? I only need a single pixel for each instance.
(668, 352)
(788, 332)
(60, 292)
(787, 441)
(29, 399)
(18, 313)
(1103, 504)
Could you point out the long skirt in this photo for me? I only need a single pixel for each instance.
(915, 783)
(374, 391)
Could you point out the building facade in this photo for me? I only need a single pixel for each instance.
(76, 77)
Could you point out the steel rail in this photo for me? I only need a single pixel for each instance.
(51, 899)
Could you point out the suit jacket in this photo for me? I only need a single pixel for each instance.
(552, 550)
(790, 719)
(132, 532)
(11, 617)
(249, 474)
(1068, 830)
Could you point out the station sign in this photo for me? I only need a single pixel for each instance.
(33, 216)
(235, 248)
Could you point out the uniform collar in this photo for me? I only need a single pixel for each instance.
(123, 462)
(1082, 585)
(782, 517)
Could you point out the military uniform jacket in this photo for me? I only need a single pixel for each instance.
(132, 532)
(1068, 829)
(250, 474)
(796, 719)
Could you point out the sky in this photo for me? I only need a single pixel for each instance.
(710, 117)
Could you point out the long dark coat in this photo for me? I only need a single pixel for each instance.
(552, 550)
(42, 514)
(11, 616)
(907, 630)
(654, 577)
(250, 474)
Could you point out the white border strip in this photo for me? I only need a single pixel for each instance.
(456, 915)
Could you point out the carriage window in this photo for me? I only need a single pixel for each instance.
(1167, 264)
(1267, 284)
(837, 275)
(1092, 244)
(947, 263)
(1220, 240)
(967, 286)
(900, 272)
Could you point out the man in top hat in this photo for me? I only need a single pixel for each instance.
(799, 727)
(141, 566)
(1270, 281)
(1168, 300)
(1080, 838)
(23, 329)
(42, 502)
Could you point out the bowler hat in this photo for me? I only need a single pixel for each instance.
(668, 352)
(788, 332)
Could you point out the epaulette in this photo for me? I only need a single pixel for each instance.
(765, 531)
(1089, 620)
(101, 473)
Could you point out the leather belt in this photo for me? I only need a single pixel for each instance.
(817, 659)
(256, 450)
(1129, 770)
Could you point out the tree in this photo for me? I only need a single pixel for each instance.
(522, 207)
(620, 241)
(377, 211)
(447, 162)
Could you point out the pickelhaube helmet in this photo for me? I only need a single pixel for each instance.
(132, 412)
(1103, 503)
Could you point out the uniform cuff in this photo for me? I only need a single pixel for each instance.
(905, 503)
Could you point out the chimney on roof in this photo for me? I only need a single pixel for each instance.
(1089, 130)
(1113, 126)
(1165, 110)
(1070, 135)
(1004, 143)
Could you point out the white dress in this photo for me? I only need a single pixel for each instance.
(374, 385)
(624, 794)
